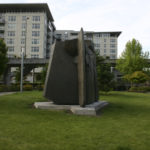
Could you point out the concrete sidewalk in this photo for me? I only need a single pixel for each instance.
(6, 93)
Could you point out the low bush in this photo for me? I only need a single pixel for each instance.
(40, 87)
(28, 87)
(140, 89)
(3, 88)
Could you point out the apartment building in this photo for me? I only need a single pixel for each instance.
(105, 43)
(27, 27)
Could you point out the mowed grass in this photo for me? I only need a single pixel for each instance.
(123, 125)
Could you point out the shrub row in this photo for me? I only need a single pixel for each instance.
(140, 89)
(16, 87)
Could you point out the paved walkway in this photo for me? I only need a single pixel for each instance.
(6, 93)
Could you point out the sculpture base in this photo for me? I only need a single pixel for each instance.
(90, 109)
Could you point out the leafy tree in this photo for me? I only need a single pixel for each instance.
(132, 59)
(139, 77)
(43, 73)
(104, 75)
(3, 56)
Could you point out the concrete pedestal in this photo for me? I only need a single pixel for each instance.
(90, 109)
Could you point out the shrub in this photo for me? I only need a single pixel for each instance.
(40, 87)
(140, 89)
(3, 88)
(27, 87)
(14, 87)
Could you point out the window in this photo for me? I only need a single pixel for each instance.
(112, 40)
(12, 18)
(23, 26)
(112, 45)
(11, 25)
(105, 34)
(104, 50)
(22, 41)
(36, 18)
(35, 33)
(10, 56)
(96, 45)
(97, 35)
(34, 49)
(23, 33)
(105, 45)
(104, 40)
(10, 49)
(35, 41)
(24, 18)
(112, 51)
(113, 56)
(10, 41)
(34, 56)
(35, 26)
(11, 33)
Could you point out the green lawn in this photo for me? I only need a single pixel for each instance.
(123, 125)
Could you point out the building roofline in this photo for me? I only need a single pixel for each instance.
(105, 32)
(117, 33)
(26, 7)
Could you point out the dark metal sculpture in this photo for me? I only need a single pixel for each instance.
(71, 76)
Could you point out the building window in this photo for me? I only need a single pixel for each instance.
(96, 45)
(113, 56)
(35, 26)
(11, 33)
(112, 45)
(10, 56)
(112, 40)
(10, 41)
(34, 56)
(12, 18)
(104, 50)
(97, 35)
(36, 18)
(106, 35)
(35, 41)
(105, 45)
(11, 49)
(22, 41)
(104, 40)
(35, 33)
(24, 18)
(24, 26)
(34, 49)
(23, 33)
(112, 51)
(11, 26)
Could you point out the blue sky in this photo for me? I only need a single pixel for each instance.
(132, 17)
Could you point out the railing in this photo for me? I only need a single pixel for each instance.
(2, 28)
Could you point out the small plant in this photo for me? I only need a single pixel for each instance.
(28, 87)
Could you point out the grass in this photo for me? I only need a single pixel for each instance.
(123, 125)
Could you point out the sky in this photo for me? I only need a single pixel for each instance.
(131, 17)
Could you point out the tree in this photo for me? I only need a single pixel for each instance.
(104, 75)
(3, 56)
(43, 73)
(132, 59)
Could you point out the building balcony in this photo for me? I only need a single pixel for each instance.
(48, 34)
(2, 36)
(48, 41)
(2, 28)
(2, 21)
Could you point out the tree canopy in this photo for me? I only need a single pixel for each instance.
(132, 59)
(104, 75)
(3, 56)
